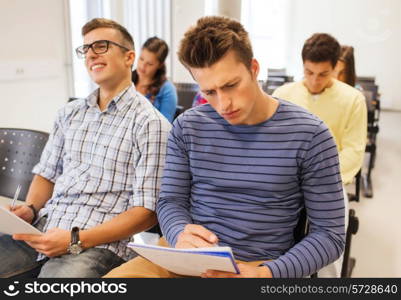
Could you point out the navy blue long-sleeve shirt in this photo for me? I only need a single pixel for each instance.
(247, 184)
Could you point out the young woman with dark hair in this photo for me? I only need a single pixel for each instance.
(345, 67)
(150, 77)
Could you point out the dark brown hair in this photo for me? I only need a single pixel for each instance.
(160, 48)
(106, 23)
(347, 57)
(210, 39)
(321, 47)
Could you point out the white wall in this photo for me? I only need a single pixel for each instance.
(184, 14)
(373, 27)
(33, 63)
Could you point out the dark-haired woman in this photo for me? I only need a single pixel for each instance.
(150, 77)
(345, 68)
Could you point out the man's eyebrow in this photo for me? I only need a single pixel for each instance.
(228, 82)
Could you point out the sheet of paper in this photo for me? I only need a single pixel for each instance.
(11, 224)
(190, 262)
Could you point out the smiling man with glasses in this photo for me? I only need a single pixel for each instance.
(98, 179)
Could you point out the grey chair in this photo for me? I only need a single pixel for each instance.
(186, 93)
(20, 151)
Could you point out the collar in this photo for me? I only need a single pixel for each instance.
(120, 100)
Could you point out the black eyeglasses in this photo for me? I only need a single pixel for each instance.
(98, 47)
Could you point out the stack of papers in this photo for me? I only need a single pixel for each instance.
(190, 262)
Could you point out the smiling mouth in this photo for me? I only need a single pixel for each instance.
(97, 66)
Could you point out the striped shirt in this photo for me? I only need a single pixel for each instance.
(103, 163)
(247, 184)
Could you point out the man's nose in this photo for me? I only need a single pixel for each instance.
(225, 101)
(90, 53)
(315, 79)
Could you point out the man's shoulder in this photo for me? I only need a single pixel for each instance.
(145, 112)
(287, 88)
(72, 107)
(296, 115)
(348, 91)
(201, 113)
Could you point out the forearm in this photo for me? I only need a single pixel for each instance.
(307, 257)
(173, 216)
(40, 191)
(126, 224)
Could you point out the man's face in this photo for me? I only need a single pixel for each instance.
(112, 67)
(230, 88)
(318, 76)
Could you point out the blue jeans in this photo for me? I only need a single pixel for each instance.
(18, 260)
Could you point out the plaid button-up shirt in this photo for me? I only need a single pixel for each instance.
(103, 163)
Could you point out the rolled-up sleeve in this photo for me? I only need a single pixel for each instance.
(50, 165)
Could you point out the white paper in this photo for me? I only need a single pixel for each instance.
(11, 224)
(190, 262)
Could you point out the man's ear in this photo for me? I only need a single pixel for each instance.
(255, 68)
(130, 57)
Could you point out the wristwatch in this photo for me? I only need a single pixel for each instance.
(75, 246)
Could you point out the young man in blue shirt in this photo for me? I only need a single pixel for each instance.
(240, 168)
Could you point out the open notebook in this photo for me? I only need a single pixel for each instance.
(11, 224)
(190, 262)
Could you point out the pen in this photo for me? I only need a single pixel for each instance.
(15, 197)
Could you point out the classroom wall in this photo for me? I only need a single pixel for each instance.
(33, 63)
(184, 14)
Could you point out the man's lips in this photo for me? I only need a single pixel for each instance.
(231, 114)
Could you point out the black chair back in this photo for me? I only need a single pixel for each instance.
(20, 151)
(179, 110)
(186, 93)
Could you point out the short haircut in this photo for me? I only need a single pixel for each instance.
(210, 39)
(106, 23)
(321, 47)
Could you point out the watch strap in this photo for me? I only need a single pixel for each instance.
(35, 213)
(74, 235)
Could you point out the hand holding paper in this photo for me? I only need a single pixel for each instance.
(190, 262)
(246, 271)
(12, 224)
(196, 236)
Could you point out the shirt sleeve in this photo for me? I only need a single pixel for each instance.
(50, 165)
(324, 202)
(168, 100)
(173, 208)
(353, 140)
(151, 140)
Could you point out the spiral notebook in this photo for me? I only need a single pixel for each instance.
(190, 262)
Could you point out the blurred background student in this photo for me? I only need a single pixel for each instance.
(345, 67)
(150, 77)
